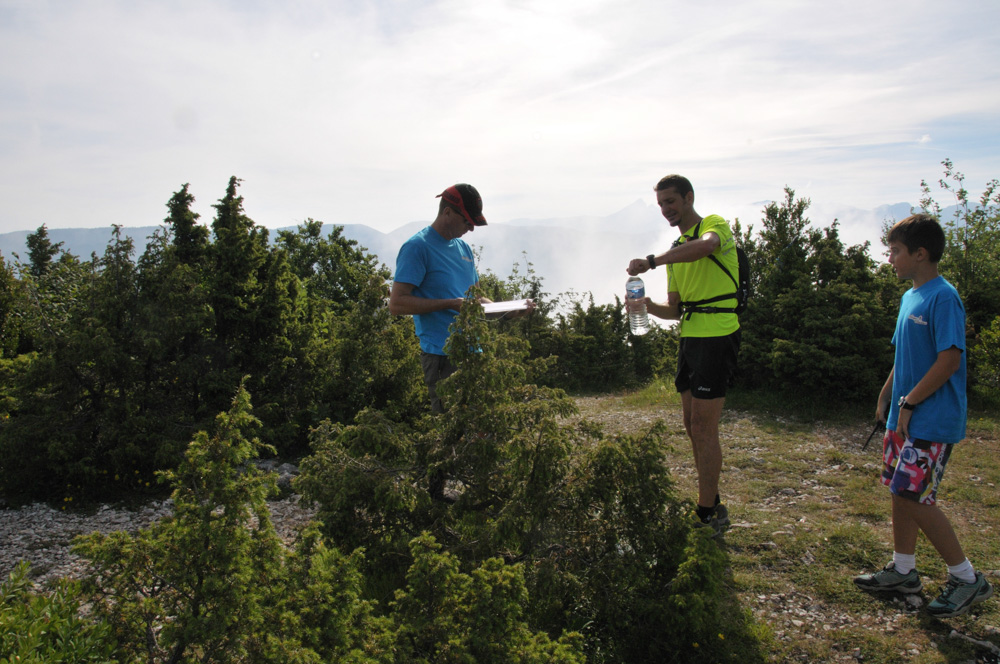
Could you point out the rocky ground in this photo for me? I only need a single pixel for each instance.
(42, 535)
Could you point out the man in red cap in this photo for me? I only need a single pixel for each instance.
(434, 270)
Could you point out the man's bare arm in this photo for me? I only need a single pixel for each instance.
(669, 310)
(688, 252)
(402, 301)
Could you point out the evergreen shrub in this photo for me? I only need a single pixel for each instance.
(605, 546)
(41, 627)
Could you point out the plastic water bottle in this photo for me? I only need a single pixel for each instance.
(638, 319)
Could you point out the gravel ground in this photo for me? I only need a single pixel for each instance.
(43, 535)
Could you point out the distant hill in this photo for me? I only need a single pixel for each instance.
(582, 254)
(81, 242)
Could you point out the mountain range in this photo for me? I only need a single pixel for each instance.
(579, 254)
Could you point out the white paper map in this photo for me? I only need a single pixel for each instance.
(498, 309)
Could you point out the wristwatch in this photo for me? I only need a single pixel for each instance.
(652, 261)
(903, 403)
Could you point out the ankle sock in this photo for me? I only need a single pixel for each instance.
(964, 571)
(904, 562)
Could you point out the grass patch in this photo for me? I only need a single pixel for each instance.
(797, 406)
(866, 498)
(658, 393)
(809, 514)
(853, 545)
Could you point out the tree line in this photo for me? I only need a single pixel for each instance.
(109, 365)
(552, 540)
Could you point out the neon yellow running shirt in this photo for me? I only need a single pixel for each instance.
(703, 279)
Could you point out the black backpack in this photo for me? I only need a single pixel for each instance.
(742, 285)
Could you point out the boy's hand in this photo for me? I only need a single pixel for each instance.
(881, 413)
(903, 422)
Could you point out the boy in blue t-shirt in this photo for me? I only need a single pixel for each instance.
(925, 394)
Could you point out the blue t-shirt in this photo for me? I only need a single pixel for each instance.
(931, 319)
(438, 269)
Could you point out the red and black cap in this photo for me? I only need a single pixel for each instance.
(466, 200)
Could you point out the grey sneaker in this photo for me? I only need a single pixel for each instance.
(958, 597)
(722, 517)
(718, 522)
(888, 579)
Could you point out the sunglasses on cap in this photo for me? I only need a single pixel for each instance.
(454, 197)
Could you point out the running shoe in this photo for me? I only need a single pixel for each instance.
(888, 579)
(958, 596)
(718, 522)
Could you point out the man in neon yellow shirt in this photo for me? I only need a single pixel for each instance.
(699, 265)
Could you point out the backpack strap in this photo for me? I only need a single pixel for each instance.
(698, 306)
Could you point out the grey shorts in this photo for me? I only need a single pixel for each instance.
(435, 368)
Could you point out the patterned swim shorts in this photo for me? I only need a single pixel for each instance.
(913, 468)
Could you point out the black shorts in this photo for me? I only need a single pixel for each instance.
(705, 365)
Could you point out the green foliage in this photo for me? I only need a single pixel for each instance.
(51, 298)
(192, 583)
(334, 270)
(91, 406)
(113, 363)
(447, 616)
(213, 581)
(593, 524)
(12, 339)
(373, 360)
(69, 401)
(588, 346)
(190, 241)
(971, 261)
(238, 259)
(593, 351)
(45, 627)
(986, 356)
(518, 286)
(972, 253)
(616, 573)
(821, 314)
(41, 251)
(318, 613)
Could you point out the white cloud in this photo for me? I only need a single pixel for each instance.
(361, 113)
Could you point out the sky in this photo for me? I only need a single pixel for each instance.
(361, 112)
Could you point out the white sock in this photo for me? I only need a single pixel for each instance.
(904, 562)
(964, 571)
